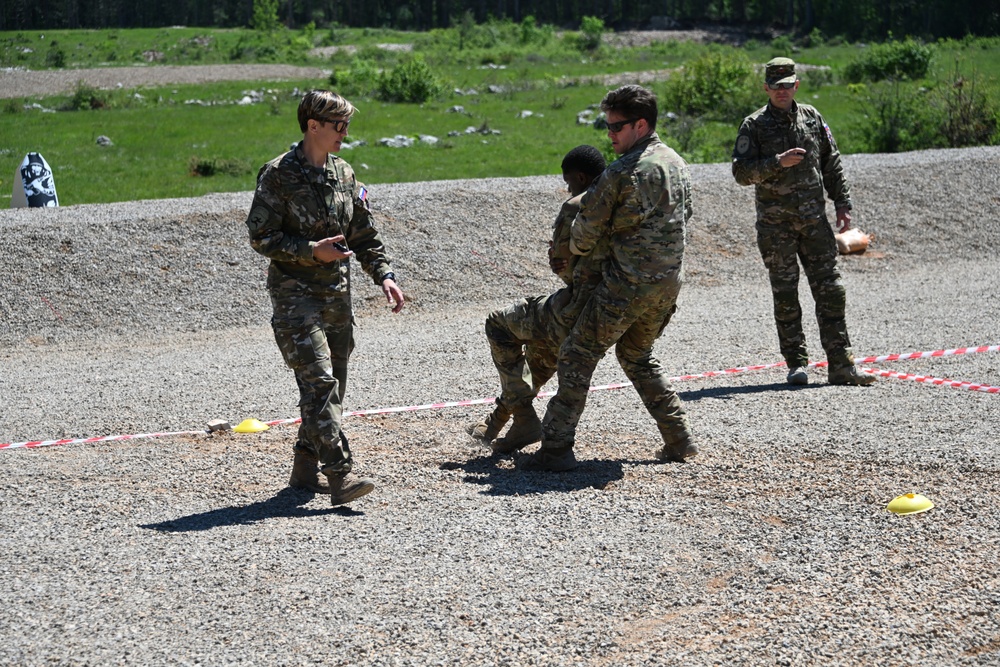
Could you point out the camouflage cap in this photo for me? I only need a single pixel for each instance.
(780, 70)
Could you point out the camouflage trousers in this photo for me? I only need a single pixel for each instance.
(782, 246)
(316, 338)
(631, 317)
(524, 342)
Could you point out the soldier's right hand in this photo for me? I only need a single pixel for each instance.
(791, 157)
(326, 250)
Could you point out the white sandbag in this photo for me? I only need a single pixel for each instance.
(852, 241)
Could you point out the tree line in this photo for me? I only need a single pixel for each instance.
(849, 19)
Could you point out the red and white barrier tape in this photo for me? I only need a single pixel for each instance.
(957, 384)
(618, 385)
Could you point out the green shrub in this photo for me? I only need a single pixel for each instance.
(967, 117)
(896, 118)
(719, 85)
(410, 81)
(814, 39)
(85, 97)
(782, 46)
(265, 16)
(814, 79)
(280, 45)
(199, 166)
(591, 29)
(55, 56)
(894, 60)
(359, 80)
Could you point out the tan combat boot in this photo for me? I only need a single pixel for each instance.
(850, 375)
(488, 429)
(344, 487)
(549, 460)
(306, 474)
(677, 446)
(525, 430)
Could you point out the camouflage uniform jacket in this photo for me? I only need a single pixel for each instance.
(294, 206)
(560, 236)
(581, 275)
(796, 192)
(641, 202)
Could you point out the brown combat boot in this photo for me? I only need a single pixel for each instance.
(526, 429)
(306, 474)
(850, 375)
(488, 429)
(344, 487)
(549, 460)
(677, 446)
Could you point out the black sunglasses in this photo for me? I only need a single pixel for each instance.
(338, 125)
(617, 127)
(781, 86)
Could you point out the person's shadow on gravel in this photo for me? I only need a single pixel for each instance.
(725, 392)
(286, 503)
(591, 474)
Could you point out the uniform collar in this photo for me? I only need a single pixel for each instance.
(308, 169)
(641, 145)
(782, 114)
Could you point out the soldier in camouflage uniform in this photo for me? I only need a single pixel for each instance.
(525, 337)
(309, 216)
(787, 151)
(640, 205)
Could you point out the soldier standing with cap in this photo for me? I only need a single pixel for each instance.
(787, 151)
(309, 216)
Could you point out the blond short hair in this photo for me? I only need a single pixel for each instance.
(323, 105)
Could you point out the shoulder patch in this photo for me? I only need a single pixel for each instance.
(257, 218)
(742, 144)
(829, 134)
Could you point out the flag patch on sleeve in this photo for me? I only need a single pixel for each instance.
(829, 134)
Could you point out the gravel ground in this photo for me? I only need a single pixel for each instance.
(772, 547)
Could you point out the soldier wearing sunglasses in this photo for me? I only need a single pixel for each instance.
(309, 216)
(787, 151)
(640, 205)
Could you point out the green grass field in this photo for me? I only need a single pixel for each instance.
(158, 136)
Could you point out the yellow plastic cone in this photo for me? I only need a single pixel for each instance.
(909, 503)
(251, 426)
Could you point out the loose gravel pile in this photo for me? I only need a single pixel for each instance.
(773, 546)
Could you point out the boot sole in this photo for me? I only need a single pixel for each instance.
(853, 382)
(677, 457)
(505, 446)
(309, 487)
(530, 465)
(362, 489)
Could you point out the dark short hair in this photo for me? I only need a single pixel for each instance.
(632, 101)
(586, 160)
(322, 105)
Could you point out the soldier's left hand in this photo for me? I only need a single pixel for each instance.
(843, 219)
(393, 295)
